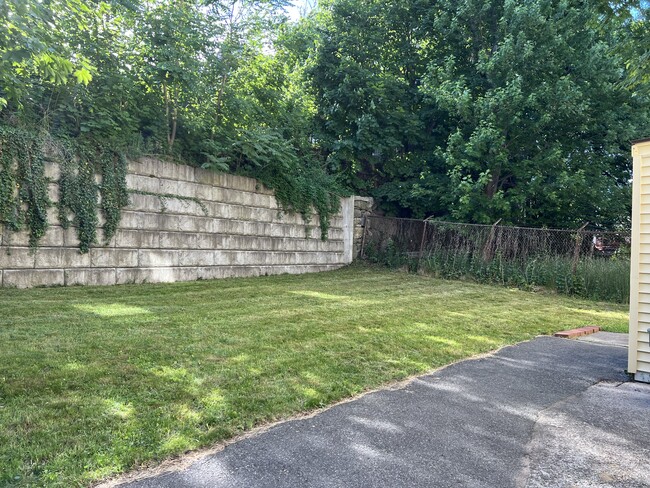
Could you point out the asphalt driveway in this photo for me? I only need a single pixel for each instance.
(550, 412)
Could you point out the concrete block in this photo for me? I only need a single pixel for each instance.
(93, 277)
(170, 223)
(185, 274)
(223, 180)
(143, 183)
(365, 203)
(53, 215)
(53, 192)
(52, 170)
(125, 276)
(167, 170)
(245, 184)
(179, 240)
(60, 258)
(140, 220)
(259, 200)
(70, 237)
(235, 197)
(145, 275)
(220, 210)
(243, 272)
(173, 171)
(169, 187)
(140, 239)
(29, 278)
(16, 257)
(204, 176)
(336, 222)
(203, 192)
(53, 237)
(144, 203)
(183, 207)
(194, 190)
(185, 172)
(211, 273)
(191, 223)
(195, 258)
(157, 258)
(242, 258)
(146, 166)
(206, 241)
(109, 258)
(217, 194)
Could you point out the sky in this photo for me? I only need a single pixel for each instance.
(294, 11)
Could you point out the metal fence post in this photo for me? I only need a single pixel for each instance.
(576, 250)
(487, 250)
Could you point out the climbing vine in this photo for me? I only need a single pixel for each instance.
(163, 197)
(115, 195)
(24, 197)
(78, 195)
(23, 185)
(79, 191)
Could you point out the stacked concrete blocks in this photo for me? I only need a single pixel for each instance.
(182, 224)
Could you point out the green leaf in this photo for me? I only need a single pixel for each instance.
(83, 76)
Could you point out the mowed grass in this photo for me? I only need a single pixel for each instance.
(95, 381)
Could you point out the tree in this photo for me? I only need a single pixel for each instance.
(478, 110)
(540, 121)
(28, 46)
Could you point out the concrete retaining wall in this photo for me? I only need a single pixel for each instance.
(234, 228)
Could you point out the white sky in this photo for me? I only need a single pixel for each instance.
(294, 11)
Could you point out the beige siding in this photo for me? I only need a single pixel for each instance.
(639, 351)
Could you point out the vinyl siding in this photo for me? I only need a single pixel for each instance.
(639, 351)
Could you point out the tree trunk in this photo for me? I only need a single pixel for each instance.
(224, 79)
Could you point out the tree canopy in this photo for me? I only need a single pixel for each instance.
(469, 110)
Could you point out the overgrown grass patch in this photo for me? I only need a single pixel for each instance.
(95, 381)
(594, 278)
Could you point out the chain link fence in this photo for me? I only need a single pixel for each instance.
(588, 263)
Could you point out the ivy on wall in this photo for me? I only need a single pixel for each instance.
(23, 186)
(89, 170)
(112, 189)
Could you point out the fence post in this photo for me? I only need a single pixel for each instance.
(576, 250)
(487, 250)
(424, 234)
(366, 223)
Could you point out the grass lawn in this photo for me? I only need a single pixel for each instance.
(94, 381)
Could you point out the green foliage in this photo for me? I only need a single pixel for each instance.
(78, 193)
(476, 110)
(24, 197)
(299, 186)
(29, 49)
(192, 80)
(112, 190)
(468, 110)
(23, 186)
(81, 162)
(595, 278)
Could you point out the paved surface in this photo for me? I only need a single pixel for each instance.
(550, 412)
(608, 338)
